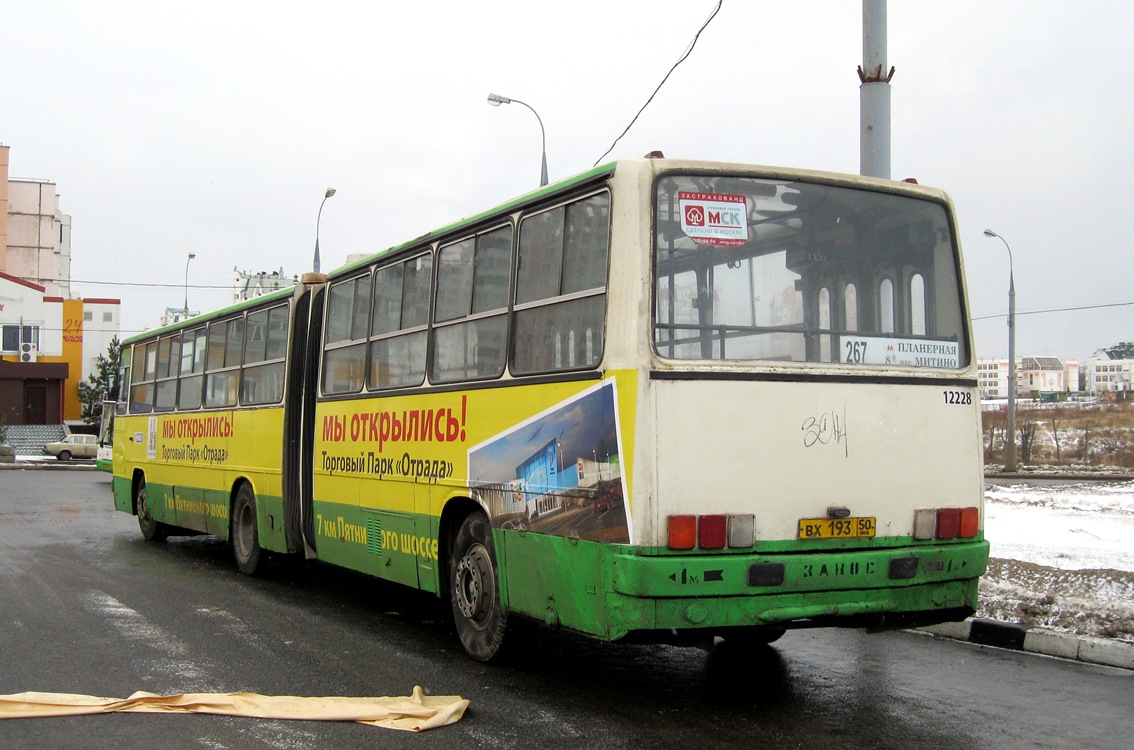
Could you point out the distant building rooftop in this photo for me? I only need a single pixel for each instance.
(1042, 363)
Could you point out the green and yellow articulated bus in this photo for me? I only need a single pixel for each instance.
(668, 400)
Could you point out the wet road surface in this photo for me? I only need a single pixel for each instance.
(89, 607)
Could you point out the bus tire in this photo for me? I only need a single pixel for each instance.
(152, 529)
(474, 591)
(250, 558)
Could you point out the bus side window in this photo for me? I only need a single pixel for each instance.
(192, 382)
(399, 324)
(265, 343)
(348, 319)
(561, 287)
(143, 372)
(169, 355)
(221, 374)
(471, 310)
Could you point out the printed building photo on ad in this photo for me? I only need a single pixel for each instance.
(559, 473)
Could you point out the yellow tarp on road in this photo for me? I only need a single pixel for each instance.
(412, 713)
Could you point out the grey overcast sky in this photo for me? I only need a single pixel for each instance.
(215, 127)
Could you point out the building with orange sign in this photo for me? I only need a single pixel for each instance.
(49, 340)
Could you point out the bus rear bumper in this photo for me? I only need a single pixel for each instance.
(878, 588)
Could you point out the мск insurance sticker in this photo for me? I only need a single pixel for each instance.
(713, 219)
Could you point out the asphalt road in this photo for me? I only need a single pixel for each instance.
(89, 607)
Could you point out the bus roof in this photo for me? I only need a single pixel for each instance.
(555, 187)
(655, 164)
(197, 320)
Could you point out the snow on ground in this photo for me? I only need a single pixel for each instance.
(1068, 526)
(1062, 556)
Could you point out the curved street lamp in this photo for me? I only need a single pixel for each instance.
(319, 218)
(191, 257)
(1010, 459)
(496, 100)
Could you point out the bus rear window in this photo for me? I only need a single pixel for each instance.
(752, 269)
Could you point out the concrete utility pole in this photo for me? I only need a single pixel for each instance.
(874, 93)
(1010, 439)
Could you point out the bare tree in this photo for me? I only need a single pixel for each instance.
(1053, 423)
(1027, 440)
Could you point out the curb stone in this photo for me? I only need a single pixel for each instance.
(1105, 651)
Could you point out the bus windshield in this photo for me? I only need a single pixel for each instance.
(752, 269)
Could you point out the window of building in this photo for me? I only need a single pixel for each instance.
(13, 336)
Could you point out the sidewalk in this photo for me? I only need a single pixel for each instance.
(1105, 651)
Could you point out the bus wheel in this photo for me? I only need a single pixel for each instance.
(474, 593)
(152, 530)
(250, 558)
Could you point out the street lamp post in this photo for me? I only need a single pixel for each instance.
(496, 100)
(191, 257)
(1010, 459)
(319, 218)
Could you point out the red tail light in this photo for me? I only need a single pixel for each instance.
(682, 532)
(711, 532)
(970, 523)
(948, 523)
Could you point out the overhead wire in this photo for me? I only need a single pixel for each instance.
(153, 285)
(684, 55)
(1055, 310)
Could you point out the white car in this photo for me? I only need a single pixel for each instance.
(73, 446)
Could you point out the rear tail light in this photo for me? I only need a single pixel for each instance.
(711, 531)
(682, 532)
(970, 523)
(946, 523)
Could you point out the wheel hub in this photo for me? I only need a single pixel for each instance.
(474, 584)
